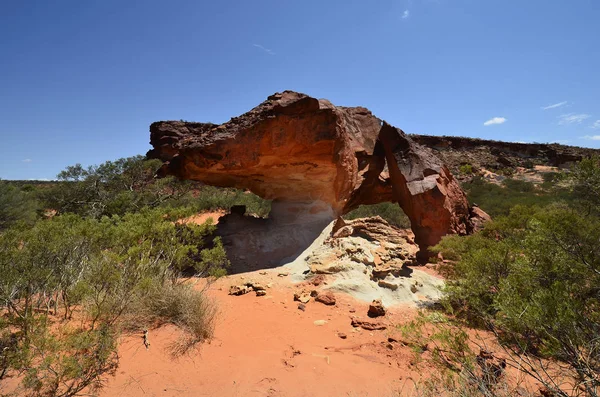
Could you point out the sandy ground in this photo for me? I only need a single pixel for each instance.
(266, 346)
(200, 219)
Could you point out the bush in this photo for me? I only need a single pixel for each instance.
(499, 200)
(110, 268)
(178, 303)
(533, 278)
(466, 169)
(128, 185)
(391, 212)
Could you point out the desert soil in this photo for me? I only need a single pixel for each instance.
(266, 346)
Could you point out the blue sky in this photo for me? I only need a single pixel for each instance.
(80, 81)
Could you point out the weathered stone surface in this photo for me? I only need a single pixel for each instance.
(300, 149)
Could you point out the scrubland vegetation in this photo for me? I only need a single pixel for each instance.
(110, 258)
(96, 254)
(532, 279)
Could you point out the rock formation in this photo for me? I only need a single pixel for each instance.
(296, 149)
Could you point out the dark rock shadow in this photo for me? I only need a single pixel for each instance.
(258, 243)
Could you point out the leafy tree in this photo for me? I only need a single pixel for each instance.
(112, 188)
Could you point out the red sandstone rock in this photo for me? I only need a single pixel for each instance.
(326, 298)
(368, 325)
(296, 148)
(376, 309)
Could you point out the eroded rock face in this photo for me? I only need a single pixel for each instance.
(300, 149)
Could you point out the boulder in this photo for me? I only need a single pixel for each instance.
(296, 148)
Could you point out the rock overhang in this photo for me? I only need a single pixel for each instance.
(293, 147)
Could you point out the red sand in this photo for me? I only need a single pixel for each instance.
(266, 346)
(199, 219)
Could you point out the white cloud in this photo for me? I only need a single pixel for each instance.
(596, 124)
(27, 160)
(591, 137)
(405, 14)
(554, 106)
(572, 118)
(495, 120)
(268, 51)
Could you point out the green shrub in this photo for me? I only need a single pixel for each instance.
(498, 200)
(391, 212)
(16, 205)
(534, 279)
(110, 268)
(466, 169)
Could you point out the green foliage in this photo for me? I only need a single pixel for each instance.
(112, 188)
(585, 183)
(16, 205)
(533, 278)
(68, 362)
(391, 212)
(205, 198)
(466, 169)
(110, 268)
(459, 370)
(498, 200)
(128, 185)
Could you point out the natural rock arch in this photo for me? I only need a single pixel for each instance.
(297, 149)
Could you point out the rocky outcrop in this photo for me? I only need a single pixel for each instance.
(294, 148)
(456, 151)
(369, 259)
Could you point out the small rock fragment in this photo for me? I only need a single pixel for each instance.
(302, 296)
(239, 290)
(326, 298)
(258, 287)
(283, 274)
(261, 292)
(376, 309)
(302, 306)
(413, 288)
(320, 322)
(342, 335)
